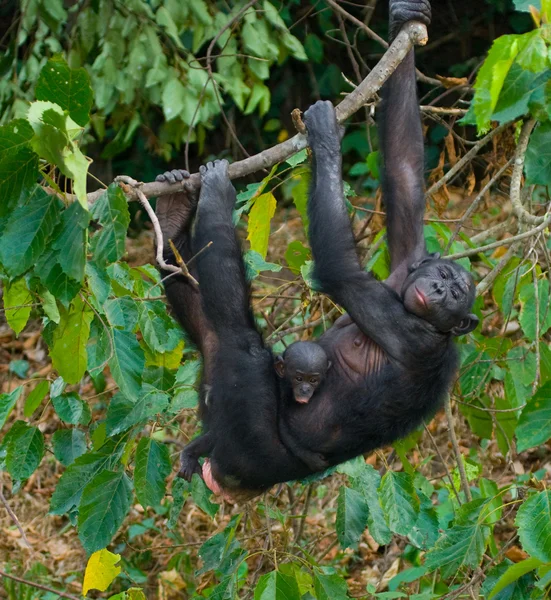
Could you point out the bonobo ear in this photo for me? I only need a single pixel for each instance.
(329, 364)
(466, 326)
(279, 366)
(435, 255)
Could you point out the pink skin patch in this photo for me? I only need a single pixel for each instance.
(232, 497)
(302, 399)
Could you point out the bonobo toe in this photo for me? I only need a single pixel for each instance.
(173, 176)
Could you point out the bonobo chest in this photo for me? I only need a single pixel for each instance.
(354, 354)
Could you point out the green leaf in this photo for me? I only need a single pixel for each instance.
(524, 5)
(352, 513)
(111, 210)
(122, 312)
(254, 264)
(7, 402)
(534, 525)
(152, 468)
(276, 586)
(462, 545)
(50, 273)
(533, 56)
(296, 255)
(201, 496)
(174, 99)
(124, 413)
(425, 531)
(330, 587)
(491, 76)
(185, 387)
(25, 449)
(68, 445)
(299, 192)
(180, 492)
(35, 397)
(70, 242)
(17, 304)
(399, 501)
(27, 231)
(513, 573)
(18, 164)
(294, 46)
(538, 156)
(519, 589)
(258, 227)
(71, 409)
(159, 331)
(68, 348)
(127, 363)
(105, 502)
(69, 88)
(534, 425)
(368, 483)
(529, 308)
(76, 477)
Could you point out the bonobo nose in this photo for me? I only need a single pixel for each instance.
(438, 287)
(305, 390)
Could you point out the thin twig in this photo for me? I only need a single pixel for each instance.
(13, 516)
(455, 446)
(38, 586)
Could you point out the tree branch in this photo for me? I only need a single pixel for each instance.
(412, 33)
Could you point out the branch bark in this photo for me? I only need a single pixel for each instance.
(412, 33)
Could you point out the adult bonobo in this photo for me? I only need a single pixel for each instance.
(392, 356)
(393, 353)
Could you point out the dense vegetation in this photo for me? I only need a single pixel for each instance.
(98, 385)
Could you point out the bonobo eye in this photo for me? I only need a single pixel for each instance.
(298, 378)
(314, 381)
(454, 294)
(443, 273)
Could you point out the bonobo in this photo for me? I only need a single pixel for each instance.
(302, 367)
(393, 356)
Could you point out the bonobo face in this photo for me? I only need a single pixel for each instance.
(303, 365)
(441, 292)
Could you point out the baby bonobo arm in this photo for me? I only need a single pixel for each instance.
(189, 458)
(313, 460)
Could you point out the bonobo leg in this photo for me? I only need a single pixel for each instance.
(189, 458)
(175, 213)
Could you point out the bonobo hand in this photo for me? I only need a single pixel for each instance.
(216, 184)
(322, 127)
(174, 210)
(402, 11)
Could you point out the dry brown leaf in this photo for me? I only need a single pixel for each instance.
(516, 554)
(451, 82)
(450, 148)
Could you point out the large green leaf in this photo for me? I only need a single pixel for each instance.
(127, 363)
(18, 163)
(71, 409)
(70, 241)
(532, 307)
(25, 449)
(186, 389)
(33, 400)
(513, 574)
(152, 468)
(68, 348)
(368, 483)
(68, 445)
(123, 413)
(105, 502)
(330, 586)
(111, 210)
(258, 227)
(491, 77)
(69, 88)
(534, 425)
(17, 304)
(27, 231)
(399, 501)
(276, 586)
(534, 525)
(352, 513)
(538, 156)
(76, 477)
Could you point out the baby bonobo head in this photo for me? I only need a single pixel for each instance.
(441, 292)
(304, 366)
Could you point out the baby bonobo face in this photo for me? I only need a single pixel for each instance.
(304, 366)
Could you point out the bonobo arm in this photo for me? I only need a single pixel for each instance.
(189, 457)
(401, 140)
(330, 232)
(313, 460)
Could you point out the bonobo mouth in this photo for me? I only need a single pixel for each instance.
(421, 297)
(302, 399)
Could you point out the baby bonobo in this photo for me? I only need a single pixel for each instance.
(303, 367)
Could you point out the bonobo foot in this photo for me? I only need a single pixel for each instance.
(188, 466)
(216, 186)
(402, 11)
(174, 211)
(324, 132)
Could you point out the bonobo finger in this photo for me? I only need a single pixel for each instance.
(202, 169)
(180, 174)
